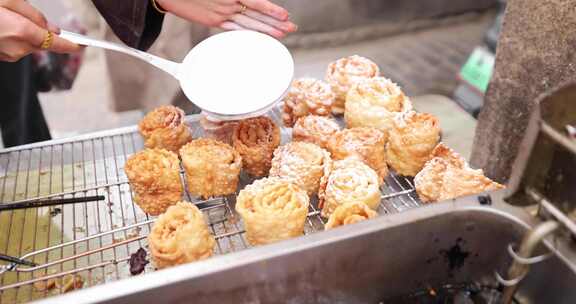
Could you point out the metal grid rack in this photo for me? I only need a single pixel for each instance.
(95, 239)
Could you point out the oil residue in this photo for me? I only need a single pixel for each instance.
(455, 255)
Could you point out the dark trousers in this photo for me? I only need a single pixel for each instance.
(21, 117)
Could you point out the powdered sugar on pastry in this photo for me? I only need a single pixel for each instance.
(302, 163)
(365, 144)
(375, 102)
(343, 73)
(307, 96)
(314, 129)
(447, 175)
(411, 141)
(349, 181)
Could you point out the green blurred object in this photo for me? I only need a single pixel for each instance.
(477, 71)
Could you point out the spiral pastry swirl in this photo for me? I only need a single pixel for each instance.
(349, 181)
(349, 213)
(164, 127)
(411, 142)
(365, 144)
(375, 102)
(307, 96)
(314, 129)
(179, 236)
(272, 209)
(302, 163)
(212, 167)
(343, 73)
(256, 139)
(154, 176)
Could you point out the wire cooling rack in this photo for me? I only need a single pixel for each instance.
(94, 240)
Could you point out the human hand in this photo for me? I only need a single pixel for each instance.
(259, 15)
(23, 30)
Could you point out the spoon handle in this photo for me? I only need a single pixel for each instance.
(167, 66)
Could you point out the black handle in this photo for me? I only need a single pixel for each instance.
(50, 202)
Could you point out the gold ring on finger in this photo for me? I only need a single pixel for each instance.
(243, 8)
(48, 40)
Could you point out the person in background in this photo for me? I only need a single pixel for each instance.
(24, 30)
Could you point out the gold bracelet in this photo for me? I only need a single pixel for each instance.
(158, 7)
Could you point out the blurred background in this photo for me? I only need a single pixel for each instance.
(426, 46)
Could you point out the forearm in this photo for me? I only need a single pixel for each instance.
(135, 22)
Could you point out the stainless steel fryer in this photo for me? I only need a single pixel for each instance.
(405, 250)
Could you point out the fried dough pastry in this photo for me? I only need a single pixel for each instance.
(256, 139)
(375, 102)
(411, 141)
(349, 181)
(179, 236)
(212, 167)
(272, 209)
(447, 176)
(307, 96)
(314, 129)
(343, 73)
(349, 213)
(365, 144)
(164, 127)
(302, 163)
(154, 176)
(219, 130)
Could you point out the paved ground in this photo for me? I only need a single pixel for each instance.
(422, 62)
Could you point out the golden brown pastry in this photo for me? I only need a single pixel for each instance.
(212, 167)
(314, 129)
(302, 163)
(256, 139)
(179, 236)
(365, 144)
(272, 209)
(154, 176)
(411, 141)
(447, 176)
(375, 102)
(307, 96)
(164, 127)
(343, 73)
(219, 130)
(349, 213)
(349, 181)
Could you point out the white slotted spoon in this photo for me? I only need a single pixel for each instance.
(230, 76)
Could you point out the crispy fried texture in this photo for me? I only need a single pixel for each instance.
(349, 213)
(349, 181)
(307, 96)
(179, 236)
(302, 163)
(343, 73)
(411, 142)
(314, 129)
(272, 209)
(375, 102)
(365, 144)
(164, 127)
(447, 176)
(212, 167)
(154, 175)
(256, 139)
